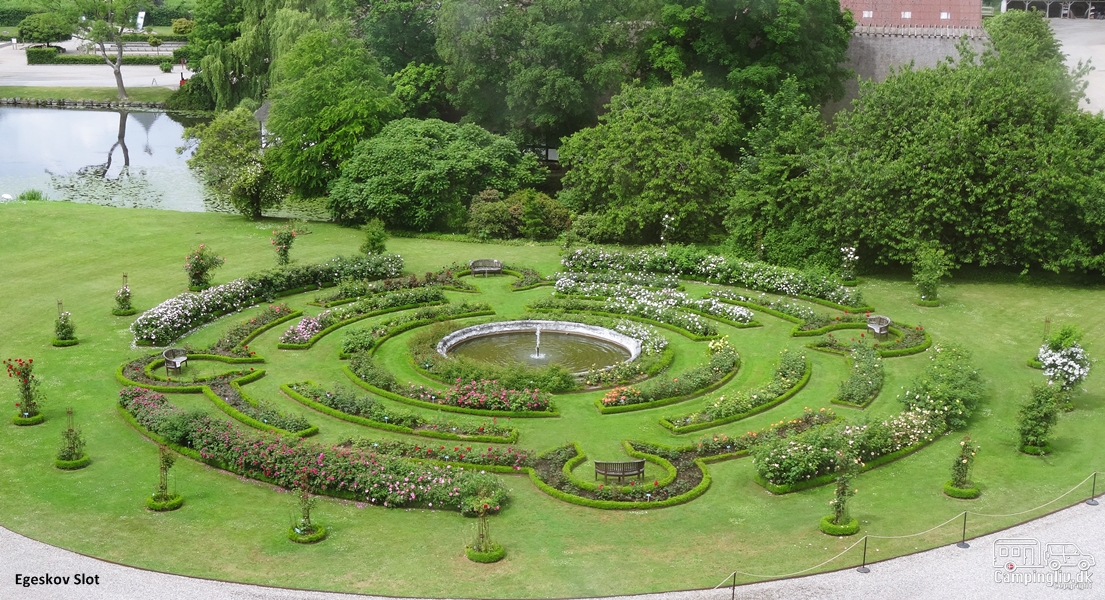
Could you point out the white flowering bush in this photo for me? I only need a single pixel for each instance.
(652, 342)
(657, 304)
(693, 262)
(1066, 367)
(179, 315)
(949, 387)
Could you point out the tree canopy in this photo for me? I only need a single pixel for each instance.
(659, 160)
(330, 95)
(45, 28)
(987, 156)
(422, 174)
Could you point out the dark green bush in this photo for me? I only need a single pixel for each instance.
(166, 66)
(11, 17)
(494, 220)
(143, 37)
(366, 367)
(51, 56)
(542, 217)
(183, 26)
(193, 95)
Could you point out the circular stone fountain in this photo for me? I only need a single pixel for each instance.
(574, 346)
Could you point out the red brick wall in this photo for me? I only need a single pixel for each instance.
(923, 13)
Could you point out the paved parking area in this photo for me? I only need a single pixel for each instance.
(1084, 40)
(14, 71)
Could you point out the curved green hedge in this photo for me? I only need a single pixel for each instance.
(496, 554)
(73, 465)
(312, 538)
(829, 477)
(611, 410)
(28, 421)
(797, 387)
(444, 435)
(445, 407)
(64, 343)
(598, 313)
(828, 527)
(961, 493)
(173, 503)
(318, 336)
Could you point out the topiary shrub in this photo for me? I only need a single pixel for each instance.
(969, 493)
(183, 26)
(828, 527)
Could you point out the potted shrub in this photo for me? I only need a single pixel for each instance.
(840, 522)
(71, 455)
(960, 485)
(483, 549)
(30, 397)
(163, 500)
(306, 531)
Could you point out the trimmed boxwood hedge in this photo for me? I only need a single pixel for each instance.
(28, 421)
(173, 503)
(431, 433)
(927, 303)
(415, 324)
(445, 407)
(51, 56)
(142, 37)
(124, 313)
(312, 538)
(827, 526)
(961, 493)
(496, 554)
(666, 424)
(73, 465)
(64, 343)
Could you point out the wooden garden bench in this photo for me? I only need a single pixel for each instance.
(174, 360)
(619, 469)
(879, 325)
(485, 266)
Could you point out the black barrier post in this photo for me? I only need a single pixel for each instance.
(734, 585)
(963, 541)
(863, 567)
(1093, 501)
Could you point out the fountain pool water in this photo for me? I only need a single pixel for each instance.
(575, 347)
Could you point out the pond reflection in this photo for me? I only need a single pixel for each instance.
(87, 156)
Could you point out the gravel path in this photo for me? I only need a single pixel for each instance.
(934, 574)
(1084, 40)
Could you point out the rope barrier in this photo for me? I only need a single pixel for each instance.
(898, 537)
(1038, 507)
(901, 537)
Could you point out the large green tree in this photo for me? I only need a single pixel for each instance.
(399, 32)
(329, 96)
(770, 217)
(45, 28)
(230, 160)
(539, 69)
(422, 174)
(658, 164)
(987, 157)
(753, 46)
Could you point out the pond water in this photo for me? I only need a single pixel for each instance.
(576, 353)
(107, 157)
(114, 158)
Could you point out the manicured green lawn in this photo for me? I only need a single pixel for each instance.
(136, 94)
(231, 528)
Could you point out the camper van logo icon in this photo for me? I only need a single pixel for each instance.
(1026, 560)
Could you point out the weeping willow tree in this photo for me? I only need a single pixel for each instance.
(244, 67)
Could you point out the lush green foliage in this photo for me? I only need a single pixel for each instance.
(183, 26)
(1039, 415)
(329, 96)
(400, 34)
(723, 360)
(44, 28)
(930, 264)
(422, 174)
(989, 157)
(950, 386)
(198, 265)
(865, 380)
(374, 237)
(657, 168)
(791, 368)
(230, 161)
(961, 467)
(527, 213)
(51, 56)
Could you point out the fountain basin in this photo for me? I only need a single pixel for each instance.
(574, 346)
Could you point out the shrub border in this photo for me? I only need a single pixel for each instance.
(318, 336)
(683, 498)
(613, 410)
(416, 324)
(64, 343)
(694, 337)
(829, 477)
(787, 395)
(446, 407)
(431, 433)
